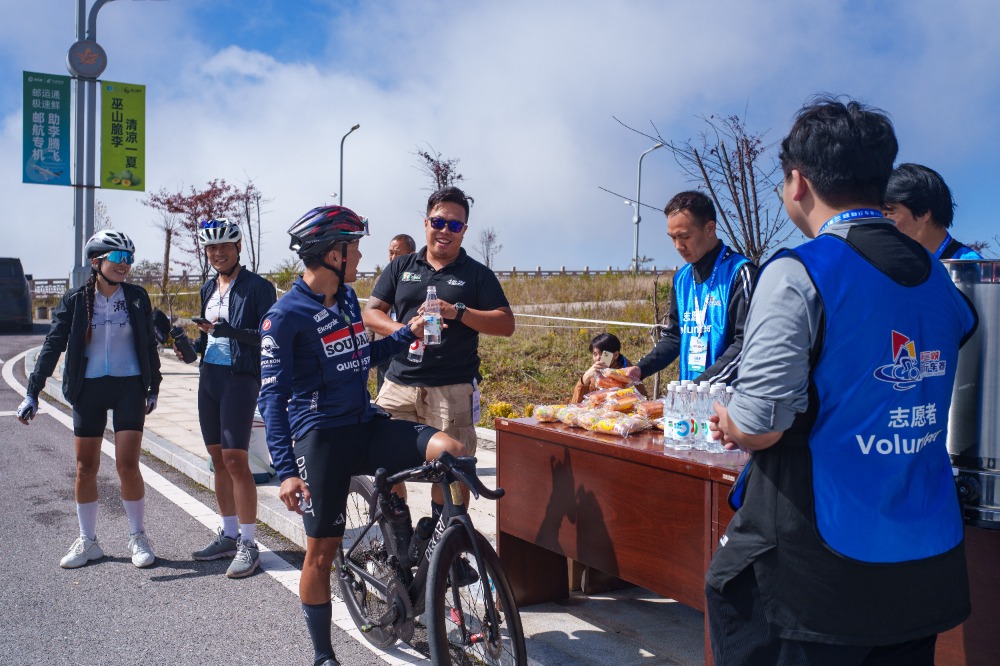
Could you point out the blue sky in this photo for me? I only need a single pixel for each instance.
(523, 93)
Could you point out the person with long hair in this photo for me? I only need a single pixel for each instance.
(105, 328)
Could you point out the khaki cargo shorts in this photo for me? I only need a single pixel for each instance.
(447, 408)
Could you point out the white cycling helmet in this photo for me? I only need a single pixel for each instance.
(108, 240)
(213, 232)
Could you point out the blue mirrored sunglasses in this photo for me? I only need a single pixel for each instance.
(121, 257)
(454, 226)
(213, 224)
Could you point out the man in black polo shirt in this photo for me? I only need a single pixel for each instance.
(440, 390)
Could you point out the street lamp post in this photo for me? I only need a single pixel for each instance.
(86, 61)
(637, 203)
(340, 192)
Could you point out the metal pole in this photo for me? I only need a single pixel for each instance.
(638, 216)
(340, 192)
(78, 273)
(91, 86)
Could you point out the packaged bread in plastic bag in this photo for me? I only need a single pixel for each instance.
(651, 409)
(547, 413)
(613, 378)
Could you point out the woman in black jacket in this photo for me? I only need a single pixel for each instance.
(105, 328)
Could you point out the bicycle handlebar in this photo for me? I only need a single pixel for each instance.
(463, 468)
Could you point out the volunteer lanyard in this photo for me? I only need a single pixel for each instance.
(945, 243)
(853, 214)
(701, 311)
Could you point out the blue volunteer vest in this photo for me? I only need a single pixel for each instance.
(701, 346)
(882, 480)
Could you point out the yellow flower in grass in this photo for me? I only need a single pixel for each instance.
(501, 409)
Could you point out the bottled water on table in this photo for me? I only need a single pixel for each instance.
(684, 423)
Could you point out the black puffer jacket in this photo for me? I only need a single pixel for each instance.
(68, 334)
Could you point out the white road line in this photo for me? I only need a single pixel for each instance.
(272, 564)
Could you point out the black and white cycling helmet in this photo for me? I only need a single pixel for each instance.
(213, 232)
(106, 241)
(322, 228)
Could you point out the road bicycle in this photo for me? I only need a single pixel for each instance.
(444, 574)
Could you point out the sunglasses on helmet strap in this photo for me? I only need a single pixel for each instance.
(120, 257)
(454, 226)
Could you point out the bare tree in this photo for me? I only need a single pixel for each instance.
(731, 162)
(442, 172)
(169, 223)
(249, 204)
(489, 246)
(101, 218)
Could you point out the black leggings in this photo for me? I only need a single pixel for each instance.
(327, 458)
(225, 406)
(125, 395)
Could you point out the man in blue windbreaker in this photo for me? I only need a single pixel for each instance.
(709, 301)
(847, 543)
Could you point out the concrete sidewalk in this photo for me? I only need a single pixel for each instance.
(632, 626)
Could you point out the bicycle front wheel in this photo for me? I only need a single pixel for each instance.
(365, 602)
(461, 627)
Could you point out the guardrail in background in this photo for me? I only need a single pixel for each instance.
(58, 286)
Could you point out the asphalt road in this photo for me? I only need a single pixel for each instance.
(176, 612)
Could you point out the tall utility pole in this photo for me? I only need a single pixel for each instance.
(86, 61)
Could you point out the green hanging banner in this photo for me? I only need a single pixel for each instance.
(123, 136)
(46, 129)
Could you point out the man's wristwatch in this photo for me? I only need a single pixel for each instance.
(459, 311)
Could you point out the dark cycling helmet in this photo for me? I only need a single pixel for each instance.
(108, 240)
(320, 229)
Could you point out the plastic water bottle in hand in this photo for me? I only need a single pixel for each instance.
(716, 395)
(432, 318)
(416, 353)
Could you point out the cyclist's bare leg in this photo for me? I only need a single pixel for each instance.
(314, 584)
(437, 445)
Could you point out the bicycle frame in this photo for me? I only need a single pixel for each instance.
(448, 473)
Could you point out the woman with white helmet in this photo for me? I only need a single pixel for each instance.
(232, 304)
(105, 328)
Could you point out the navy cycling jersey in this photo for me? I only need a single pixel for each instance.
(311, 374)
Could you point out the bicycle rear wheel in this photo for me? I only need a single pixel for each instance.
(365, 603)
(459, 627)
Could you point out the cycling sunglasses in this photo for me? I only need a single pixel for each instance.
(121, 257)
(213, 224)
(454, 226)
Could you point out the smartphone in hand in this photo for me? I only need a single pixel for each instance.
(200, 320)
(607, 358)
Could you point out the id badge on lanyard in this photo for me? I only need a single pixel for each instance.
(477, 409)
(697, 353)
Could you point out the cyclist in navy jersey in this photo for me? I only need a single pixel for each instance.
(321, 425)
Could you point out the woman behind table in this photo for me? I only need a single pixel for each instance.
(605, 342)
(105, 328)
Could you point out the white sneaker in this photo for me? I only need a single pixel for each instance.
(142, 551)
(82, 551)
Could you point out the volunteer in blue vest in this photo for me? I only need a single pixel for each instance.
(847, 543)
(919, 201)
(709, 301)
